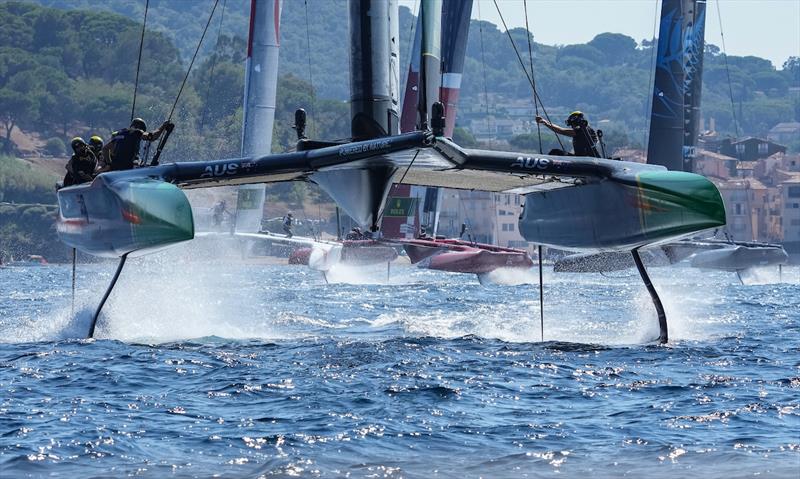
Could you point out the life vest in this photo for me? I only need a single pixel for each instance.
(584, 143)
(79, 164)
(126, 148)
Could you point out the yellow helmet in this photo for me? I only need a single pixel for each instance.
(76, 142)
(96, 141)
(576, 119)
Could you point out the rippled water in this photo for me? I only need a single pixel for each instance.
(217, 367)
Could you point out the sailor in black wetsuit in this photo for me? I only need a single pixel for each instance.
(288, 220)
(584, 138)
(123, 148)
(80, 166)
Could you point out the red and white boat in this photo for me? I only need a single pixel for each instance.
(459, 256)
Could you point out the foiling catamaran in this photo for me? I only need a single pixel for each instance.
(674, 130)
(572, 203)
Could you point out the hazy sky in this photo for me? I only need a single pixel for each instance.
(766, 28)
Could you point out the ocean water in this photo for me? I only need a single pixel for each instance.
(209, 366)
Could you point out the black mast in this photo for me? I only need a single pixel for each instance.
(666, 141)
(694, 82)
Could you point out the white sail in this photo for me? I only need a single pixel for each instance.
(260, 90)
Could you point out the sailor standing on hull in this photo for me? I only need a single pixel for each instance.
(584, 138)
(123, 148)
(287, 225)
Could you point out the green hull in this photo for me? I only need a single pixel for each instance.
(624, 212)
(124, 217)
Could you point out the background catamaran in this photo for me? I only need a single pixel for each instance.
(674, 130)
(434, 252)
(573, 203)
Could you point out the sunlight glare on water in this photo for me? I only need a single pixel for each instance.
(208, 364)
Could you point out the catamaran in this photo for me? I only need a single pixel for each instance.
(571, 203)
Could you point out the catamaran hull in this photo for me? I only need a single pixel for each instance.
(463, 257)
(112, 219)
(649, 208)
(739, 258)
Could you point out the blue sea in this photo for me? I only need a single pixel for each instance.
(207, 365)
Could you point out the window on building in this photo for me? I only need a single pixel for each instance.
(738, 208)
(793, 192)
(740, 148)
(516, 200)
(511, 227)
(763, 148)
(795, 222)
(795, 205)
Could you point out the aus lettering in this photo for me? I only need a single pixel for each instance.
(531, 163)
(220, 170)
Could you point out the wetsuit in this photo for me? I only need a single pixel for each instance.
(287, 226)
(80, 169)
(584, 143)
(126, 148)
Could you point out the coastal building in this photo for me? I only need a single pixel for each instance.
(507, 211)
(750, 148)
(713, 164)
(491, 218)
(790, 214)
(785, 132)
(745, 207)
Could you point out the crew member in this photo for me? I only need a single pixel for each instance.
(287, 225)
(584, 138)
(80, 166)
(123, 148)
(96, 145)
(355, 234)
(219, 212)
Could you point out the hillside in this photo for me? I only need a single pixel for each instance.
(608, 77)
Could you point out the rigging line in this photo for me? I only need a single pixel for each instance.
(74, 260)
(525, 70)
(310, 76)
(727, 71)
(541, 293)
(191, 64)
(649, 104)
(214, 56)
(139, 61)
(533, 75)
(483, 67)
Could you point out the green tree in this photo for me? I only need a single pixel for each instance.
(464, 138)
(16, 106)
